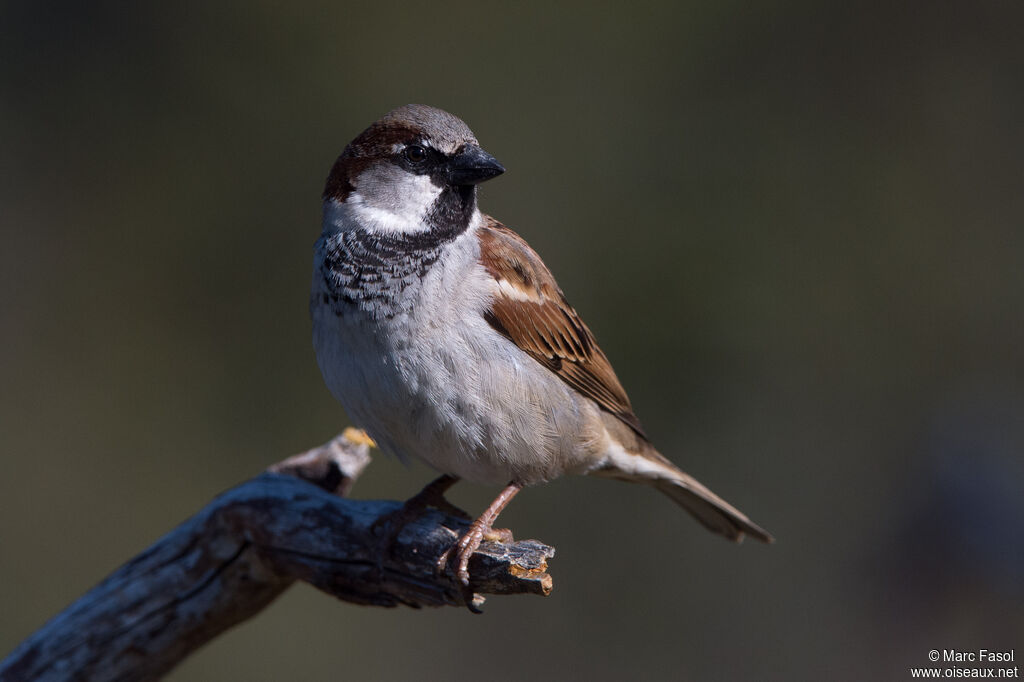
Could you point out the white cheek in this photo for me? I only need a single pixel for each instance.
(399, 204)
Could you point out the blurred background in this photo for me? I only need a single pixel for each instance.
(796, 228)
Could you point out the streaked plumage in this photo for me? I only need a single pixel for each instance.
(445, 336)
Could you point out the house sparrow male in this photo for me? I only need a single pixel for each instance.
(445, 336)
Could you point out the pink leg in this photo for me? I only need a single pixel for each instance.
(432, 495)
(474, 535)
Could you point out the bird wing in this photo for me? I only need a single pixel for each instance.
(530, 310)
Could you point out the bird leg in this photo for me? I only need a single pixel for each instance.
(475, 534)
(432, 495)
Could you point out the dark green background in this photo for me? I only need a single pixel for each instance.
(797, 229)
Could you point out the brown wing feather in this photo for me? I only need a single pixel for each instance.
(531, 311)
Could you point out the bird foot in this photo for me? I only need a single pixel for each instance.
(459, 553)
(463, 548)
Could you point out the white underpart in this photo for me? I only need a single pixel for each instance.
(440, 384)
(642, 467)
(437, 382)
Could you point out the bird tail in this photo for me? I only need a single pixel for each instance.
(712, 511)
(643, 464)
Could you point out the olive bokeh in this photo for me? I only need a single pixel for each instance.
(794, 227)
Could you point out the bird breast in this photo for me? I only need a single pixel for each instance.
(412, 360)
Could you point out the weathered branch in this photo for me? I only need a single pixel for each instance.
(247, 546)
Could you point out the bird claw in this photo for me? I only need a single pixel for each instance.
(462, 549)
(459, 553)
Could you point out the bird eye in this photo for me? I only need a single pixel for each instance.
(415, 153)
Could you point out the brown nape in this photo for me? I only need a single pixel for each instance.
(376, 142)
(338, 184)
(403, 125)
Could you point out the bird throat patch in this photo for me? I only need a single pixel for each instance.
(372, 272)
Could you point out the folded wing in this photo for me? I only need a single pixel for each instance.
(530, 310)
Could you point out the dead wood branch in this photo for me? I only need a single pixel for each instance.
(246, 547)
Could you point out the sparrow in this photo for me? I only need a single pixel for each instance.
(444, 335)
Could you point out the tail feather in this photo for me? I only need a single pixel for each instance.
(638, 461)
(712, 511)
(631, 457)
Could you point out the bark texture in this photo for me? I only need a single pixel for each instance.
(246, 547)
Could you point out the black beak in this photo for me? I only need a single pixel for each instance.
(472, 165)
